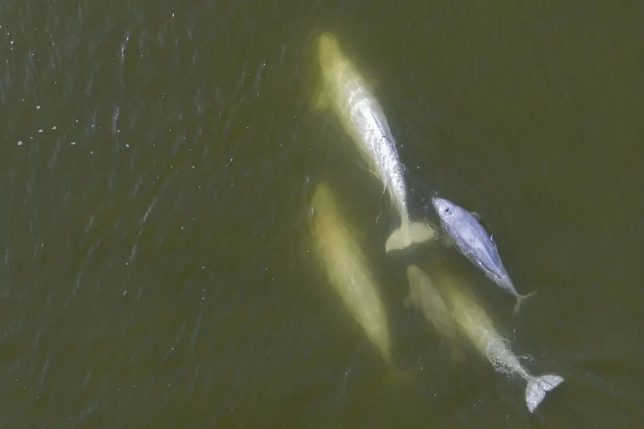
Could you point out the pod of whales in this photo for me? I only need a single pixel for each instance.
(438, 294)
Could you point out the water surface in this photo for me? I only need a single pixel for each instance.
(155, 170)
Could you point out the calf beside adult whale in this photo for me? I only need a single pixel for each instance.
(471, 239)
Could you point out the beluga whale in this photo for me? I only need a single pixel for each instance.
(473, 241)
(346, 93)
(337, 248)
(478, 327)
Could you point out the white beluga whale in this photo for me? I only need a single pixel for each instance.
(473, 241)
(344, 91)
(475, 324)
(347, 269)
(427, 299)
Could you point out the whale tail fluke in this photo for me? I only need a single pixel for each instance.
(409, 233)
(521, 299)
(538, 387)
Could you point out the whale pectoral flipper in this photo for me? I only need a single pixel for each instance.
(371, 170)
(321, 100)
(408, 301)
(448, 240)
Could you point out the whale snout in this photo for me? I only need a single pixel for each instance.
(441, 205)
(328, 47)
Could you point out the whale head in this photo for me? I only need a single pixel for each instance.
(446, 209)
(328, 49)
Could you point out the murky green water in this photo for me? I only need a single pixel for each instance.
(156, 164)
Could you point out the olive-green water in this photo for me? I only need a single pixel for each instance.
(156, 167)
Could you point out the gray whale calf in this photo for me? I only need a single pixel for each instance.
(473, 241)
